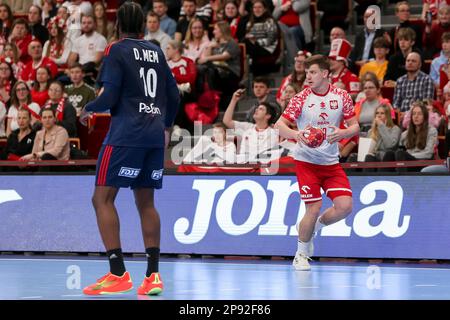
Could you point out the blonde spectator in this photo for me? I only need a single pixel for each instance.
(384, 133)
(51, 142)
(365, 108)
(196, 40)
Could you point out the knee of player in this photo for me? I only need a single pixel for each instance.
(344, 206)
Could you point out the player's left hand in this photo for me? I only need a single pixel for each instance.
(335, 135)
(84, 116)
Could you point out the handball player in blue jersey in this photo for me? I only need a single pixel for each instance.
(139, 90)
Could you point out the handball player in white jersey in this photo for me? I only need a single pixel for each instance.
(323, 106)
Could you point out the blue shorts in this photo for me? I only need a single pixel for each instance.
(124, 167)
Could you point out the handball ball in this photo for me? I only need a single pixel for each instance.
(314, 136)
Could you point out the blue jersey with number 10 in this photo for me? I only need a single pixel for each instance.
(148, 99)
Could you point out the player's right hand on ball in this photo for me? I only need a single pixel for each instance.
(301, 137)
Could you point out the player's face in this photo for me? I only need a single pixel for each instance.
(417, 116)
(380, 114)
(42, 75)
(23, 119)
(230, 10)
(159, 8)
(76, 75)
(315, 77)
(152, 24)
(48, 119)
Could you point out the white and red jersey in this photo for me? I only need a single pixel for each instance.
(309, 108)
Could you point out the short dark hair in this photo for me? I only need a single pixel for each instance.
(76, 65)
(270, 109)
(262, 80)
(130, 18)
(322, 61)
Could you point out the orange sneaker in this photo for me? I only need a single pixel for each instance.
(110, 284)
(151, 285)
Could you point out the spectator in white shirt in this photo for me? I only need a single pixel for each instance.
(154, 31)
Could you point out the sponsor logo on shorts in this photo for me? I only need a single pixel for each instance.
(157, 174)
(305, 189)
(129, 172)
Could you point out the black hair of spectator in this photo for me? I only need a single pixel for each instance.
(154, 41)
(36, 84)
(39, 10)
(20, 21)
(130, 18)
(270, 109)
(10, 14)
(264, 80)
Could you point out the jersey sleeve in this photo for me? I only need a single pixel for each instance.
(111, 70)
(348, 108)
(294, 108)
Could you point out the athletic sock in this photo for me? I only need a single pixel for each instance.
(152, 260)
(116, 264)
(303, 247)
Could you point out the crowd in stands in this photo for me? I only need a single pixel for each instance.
(51, 52)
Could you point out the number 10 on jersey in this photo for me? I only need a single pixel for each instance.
(150, 81)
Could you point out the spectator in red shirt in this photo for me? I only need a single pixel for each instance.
(39, 91)
(21, 36)
(35, 51)
(340, 75)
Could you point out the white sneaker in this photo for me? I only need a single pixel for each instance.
(301, 263)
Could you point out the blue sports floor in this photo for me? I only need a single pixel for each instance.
(55, 278)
